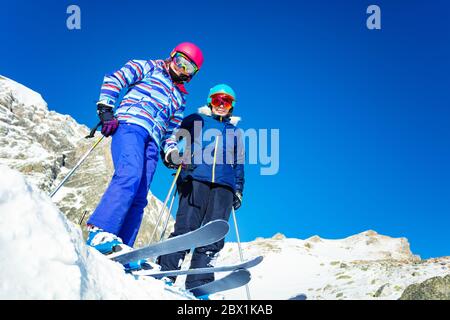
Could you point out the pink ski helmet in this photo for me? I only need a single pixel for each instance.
(191, 51)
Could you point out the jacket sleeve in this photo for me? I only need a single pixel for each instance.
(133, 71)
(189, 121)
(169, 140)
(239, 154)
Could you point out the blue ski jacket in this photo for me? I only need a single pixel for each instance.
(219, 160)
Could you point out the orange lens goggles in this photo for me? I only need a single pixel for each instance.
(225, 100)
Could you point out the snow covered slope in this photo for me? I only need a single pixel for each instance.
(363, 266)
(43, 255)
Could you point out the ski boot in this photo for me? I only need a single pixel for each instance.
(103, 241)
(141, 265)
(168, 281)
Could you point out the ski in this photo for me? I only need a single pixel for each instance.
(207, 234)
(300, 296)
(159, 274)
(233, 280)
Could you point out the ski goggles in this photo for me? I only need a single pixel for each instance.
(184, 63)
(225, 100)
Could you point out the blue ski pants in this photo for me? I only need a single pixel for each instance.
(135, 156)
(200, 202)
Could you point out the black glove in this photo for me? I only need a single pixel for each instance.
(237, 200)
(109, 122)
(172, 159)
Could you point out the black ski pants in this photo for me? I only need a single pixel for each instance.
(199, 203)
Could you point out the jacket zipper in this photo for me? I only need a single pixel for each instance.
(215, 156)
(214, 161)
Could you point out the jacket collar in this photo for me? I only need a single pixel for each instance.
(205, 110)
(181, 87)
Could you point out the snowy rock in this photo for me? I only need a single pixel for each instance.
(314, 239)
(44, 145)
(436, 288)
(22, 94)
(279, 236)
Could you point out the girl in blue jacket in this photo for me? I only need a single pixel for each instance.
(212, 179)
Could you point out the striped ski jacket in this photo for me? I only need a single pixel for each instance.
(151, 101)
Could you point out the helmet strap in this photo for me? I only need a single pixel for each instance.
(175, 77)
(217, 116)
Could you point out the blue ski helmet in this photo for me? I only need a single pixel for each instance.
(222, 88)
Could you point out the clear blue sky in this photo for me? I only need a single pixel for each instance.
(363, 115)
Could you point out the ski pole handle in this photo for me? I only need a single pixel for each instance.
(92, 133)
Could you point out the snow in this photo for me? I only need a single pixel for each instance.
(43, 255)
(23, 94)
(352, 268)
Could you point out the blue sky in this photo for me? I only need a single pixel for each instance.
(363, 114)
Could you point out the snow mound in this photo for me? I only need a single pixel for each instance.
(44, 256)
(22, 94)
(368, 245)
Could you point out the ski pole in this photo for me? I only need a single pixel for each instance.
(82, 218)
(239, 247)
(76, 167)
(168, 216)
(165, 203)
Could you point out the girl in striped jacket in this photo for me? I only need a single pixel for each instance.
(144, 122)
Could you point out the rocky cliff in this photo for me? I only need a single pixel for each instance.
(45, 145)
